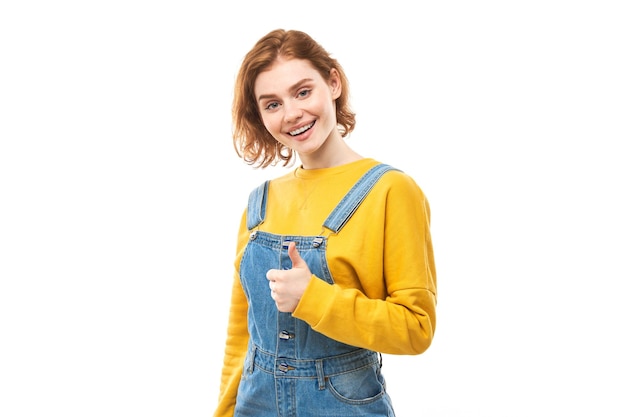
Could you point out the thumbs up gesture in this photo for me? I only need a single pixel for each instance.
(288, 285)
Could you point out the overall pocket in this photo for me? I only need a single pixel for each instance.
(360, 386)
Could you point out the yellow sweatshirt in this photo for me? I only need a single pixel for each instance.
(382, 263)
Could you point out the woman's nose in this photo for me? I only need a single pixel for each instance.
(292, 113)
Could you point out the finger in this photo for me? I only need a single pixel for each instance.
(294, 255)
(270, 275)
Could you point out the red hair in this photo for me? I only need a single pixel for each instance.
(253, 143)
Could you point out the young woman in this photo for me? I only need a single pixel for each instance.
(334, 263)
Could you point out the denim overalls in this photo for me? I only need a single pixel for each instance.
(290, 369)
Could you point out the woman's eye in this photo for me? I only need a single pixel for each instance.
(271, 106)
(304, 93)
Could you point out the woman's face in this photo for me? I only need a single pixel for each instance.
(298, 106)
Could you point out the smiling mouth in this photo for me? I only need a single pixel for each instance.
(301, 130)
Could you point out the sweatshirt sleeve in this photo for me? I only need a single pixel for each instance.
(236, 345)
(390, 307)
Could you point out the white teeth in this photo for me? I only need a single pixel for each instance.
(302, 129)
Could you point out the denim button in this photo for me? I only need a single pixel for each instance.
(285, 335)
(283, 367)
(317, 241)
(253, 235)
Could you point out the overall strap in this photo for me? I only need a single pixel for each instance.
(257, 202)
(353, 199)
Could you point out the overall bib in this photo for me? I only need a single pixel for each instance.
(291, 370)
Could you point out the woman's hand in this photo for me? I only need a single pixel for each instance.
(288, 285)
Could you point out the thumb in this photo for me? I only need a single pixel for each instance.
(294, 255)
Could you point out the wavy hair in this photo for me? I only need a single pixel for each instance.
(253, 143)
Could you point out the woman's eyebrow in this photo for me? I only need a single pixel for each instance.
(292, 89)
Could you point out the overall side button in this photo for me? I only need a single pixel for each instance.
(285, 335)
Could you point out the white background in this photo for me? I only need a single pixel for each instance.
(121, 195)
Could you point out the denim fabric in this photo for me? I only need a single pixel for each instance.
(290, 369)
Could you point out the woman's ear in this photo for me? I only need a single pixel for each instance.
(335, 83)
